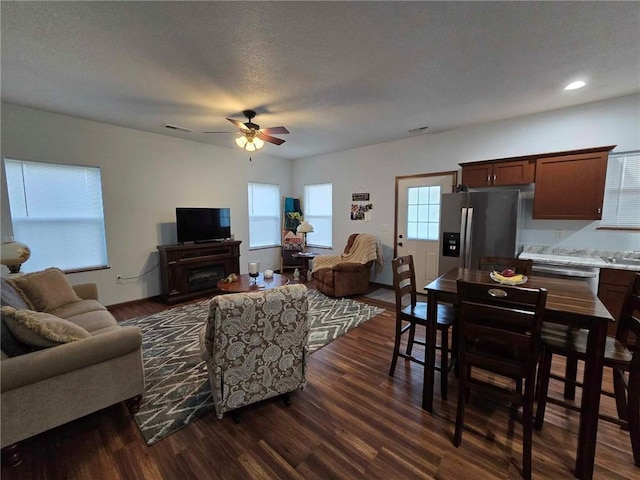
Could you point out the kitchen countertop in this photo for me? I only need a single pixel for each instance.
(581, 257)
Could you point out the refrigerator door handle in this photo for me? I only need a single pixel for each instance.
(467, 241)
(463, 246)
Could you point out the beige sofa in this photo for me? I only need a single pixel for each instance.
(42, 388)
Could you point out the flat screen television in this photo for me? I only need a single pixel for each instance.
(203, 224)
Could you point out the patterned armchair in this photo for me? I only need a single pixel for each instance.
(255, 345)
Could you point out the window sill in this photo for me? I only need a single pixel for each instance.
(264, 248)
(627, 229)
(86, 269)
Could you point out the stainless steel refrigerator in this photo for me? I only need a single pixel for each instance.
(478, 223)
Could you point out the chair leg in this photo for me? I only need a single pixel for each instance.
(454, 349)
(462, 396)
(633, 415)
(620, 391)
(396, 348)
(444, 363)
(412, 336)
(527, 426)
(542, 388)
(571, 372)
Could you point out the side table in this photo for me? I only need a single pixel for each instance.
(308, 256)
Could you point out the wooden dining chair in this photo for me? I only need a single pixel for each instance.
(500, 263)
(622, 355)
(410, 313)
(499, 334)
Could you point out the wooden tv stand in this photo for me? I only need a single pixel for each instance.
(193, 270)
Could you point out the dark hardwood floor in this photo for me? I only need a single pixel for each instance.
(351, 421)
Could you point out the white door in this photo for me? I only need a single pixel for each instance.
(418, 221)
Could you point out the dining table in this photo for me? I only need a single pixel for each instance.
(569, 302)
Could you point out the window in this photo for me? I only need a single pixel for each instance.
(423, 213)
(264, 215)
(622, 191)
(318, 211)
(57, 211)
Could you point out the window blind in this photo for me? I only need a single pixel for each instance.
(57, 211)
(264, 215)
(622, 191)
(318, 201)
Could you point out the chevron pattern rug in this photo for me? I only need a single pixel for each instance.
(177, 389)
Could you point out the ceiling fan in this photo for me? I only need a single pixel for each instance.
(252, 136)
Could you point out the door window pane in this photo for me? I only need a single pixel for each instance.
(423, 212)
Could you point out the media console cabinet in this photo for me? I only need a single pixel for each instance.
(193, 270)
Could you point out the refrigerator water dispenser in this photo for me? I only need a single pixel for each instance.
(450, 244)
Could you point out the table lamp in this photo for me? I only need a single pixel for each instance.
(14, 254)
(304, 228)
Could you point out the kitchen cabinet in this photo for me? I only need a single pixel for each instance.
(493, 174)
(612, 290)
(571, 186)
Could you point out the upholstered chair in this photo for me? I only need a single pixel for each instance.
(349, 273)
(255, 345)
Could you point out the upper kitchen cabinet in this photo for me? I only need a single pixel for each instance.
(570, 185)
(497, 173)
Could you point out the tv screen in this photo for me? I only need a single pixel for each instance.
(203, 224)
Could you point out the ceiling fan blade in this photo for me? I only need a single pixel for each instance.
(218, 132)
(269, 138)
(281, 130)
(238, 124)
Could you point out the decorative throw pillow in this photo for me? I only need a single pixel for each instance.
(46, 290)
(41, 329)
(9, 344)
(10, 297)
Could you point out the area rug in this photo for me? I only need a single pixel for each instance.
(387, 295)
(177, 388)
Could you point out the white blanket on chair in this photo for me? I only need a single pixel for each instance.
(365, 248)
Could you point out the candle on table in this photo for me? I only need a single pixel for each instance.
(254, 267)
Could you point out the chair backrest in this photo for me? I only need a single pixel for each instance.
(255, 345)
(404, 281)
(628, 331)
(500, 263)
(499, 327)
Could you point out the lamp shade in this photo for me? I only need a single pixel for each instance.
(241, 141)
(13, 255)
(304, 227)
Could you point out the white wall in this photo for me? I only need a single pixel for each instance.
(373, 169)
(144, 177)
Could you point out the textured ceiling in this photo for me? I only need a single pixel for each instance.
(338, 75)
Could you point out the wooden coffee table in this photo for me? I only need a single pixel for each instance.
(245, 283)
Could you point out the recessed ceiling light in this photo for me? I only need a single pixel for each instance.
(575, 85)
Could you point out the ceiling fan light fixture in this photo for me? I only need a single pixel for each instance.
(250, 147)
(258, 143)
(241, 141)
